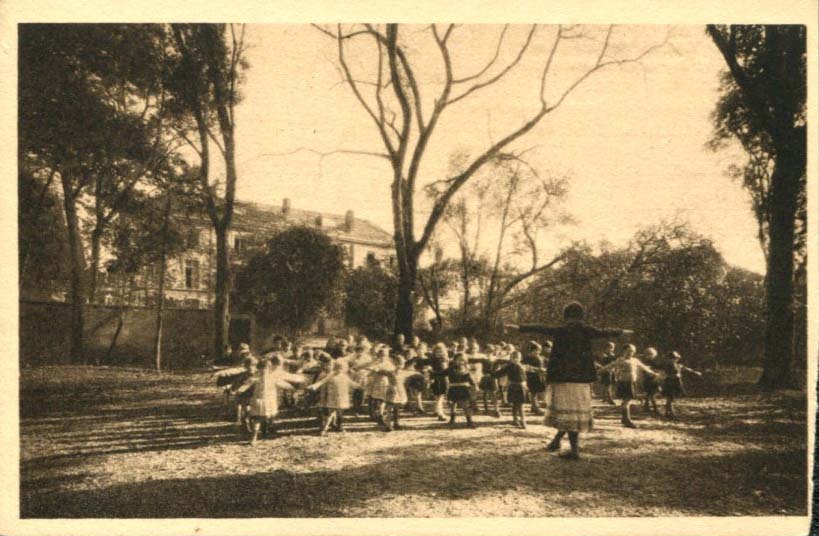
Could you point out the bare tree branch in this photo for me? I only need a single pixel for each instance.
(488, 65)
(324, 154)
(501, 74)
(215, 140)
(515, 281)
(384, 135)
(599, 64)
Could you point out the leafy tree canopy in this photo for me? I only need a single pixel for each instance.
(290, 282)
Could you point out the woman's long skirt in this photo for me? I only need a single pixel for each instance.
(568, 407)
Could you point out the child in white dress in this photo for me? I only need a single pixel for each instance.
(335, 396)
(397, 392)
(264, 402)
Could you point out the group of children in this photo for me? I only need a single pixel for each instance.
(354, 374)
(620, 375)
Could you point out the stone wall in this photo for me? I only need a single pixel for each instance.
(45, 335)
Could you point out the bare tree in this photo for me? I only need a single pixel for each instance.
(526, 204)
(436, 280)
(406, 133)
(511, 198)
(464, 218)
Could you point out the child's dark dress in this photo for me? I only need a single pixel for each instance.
(244, 387)
(487, 382)
(673, 384)
(517, 375)
(418, 382)
(625, 391)
(607, 377)
(650, 383)
(535, 379)
(459, 385)
(438, 365)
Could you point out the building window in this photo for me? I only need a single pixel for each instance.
(370, 258)
(151, 274)
(191, 273)
(239, 244)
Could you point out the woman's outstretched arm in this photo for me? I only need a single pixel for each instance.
(531, 328)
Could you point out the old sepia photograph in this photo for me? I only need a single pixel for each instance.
(412, 270)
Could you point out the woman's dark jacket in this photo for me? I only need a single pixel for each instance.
(571, 360)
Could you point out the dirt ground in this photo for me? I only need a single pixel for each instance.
(104, 442)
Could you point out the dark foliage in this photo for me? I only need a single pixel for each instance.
(292, 280)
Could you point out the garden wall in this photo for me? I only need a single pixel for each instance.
(45, 335)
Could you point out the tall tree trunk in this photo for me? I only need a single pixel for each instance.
(436, 302)
(160, 299)
(76, 287)
(405, 309)
(120, 323)
(465, 281)
(221, 304)
(96, 238)
(779, 313)
(159, 310)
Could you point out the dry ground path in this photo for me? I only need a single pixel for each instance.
(105, 442)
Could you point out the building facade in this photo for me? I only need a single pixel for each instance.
(190, 278)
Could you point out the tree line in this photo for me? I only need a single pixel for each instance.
(120, 124)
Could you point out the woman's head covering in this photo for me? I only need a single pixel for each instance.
(573, 311)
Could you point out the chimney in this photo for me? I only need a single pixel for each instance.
(286, 205)
(319, 221)
(349, 220)
(439, 254)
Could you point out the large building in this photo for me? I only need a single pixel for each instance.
(191, 276)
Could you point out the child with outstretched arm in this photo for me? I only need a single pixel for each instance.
(673, 384)
(625, 370)
(335, 396)
(517, 373)
(264, 401)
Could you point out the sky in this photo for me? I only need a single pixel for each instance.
(631, 139)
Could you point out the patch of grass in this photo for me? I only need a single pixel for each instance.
(99, 442)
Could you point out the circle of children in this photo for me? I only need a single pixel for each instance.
(353, 374)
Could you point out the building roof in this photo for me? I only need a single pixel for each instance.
(252, 216)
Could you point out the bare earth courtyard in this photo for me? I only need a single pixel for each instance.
(105, 442)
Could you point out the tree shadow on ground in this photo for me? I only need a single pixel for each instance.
(609, 475)
(82, 425)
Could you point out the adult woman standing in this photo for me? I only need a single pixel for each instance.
(569, 375)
